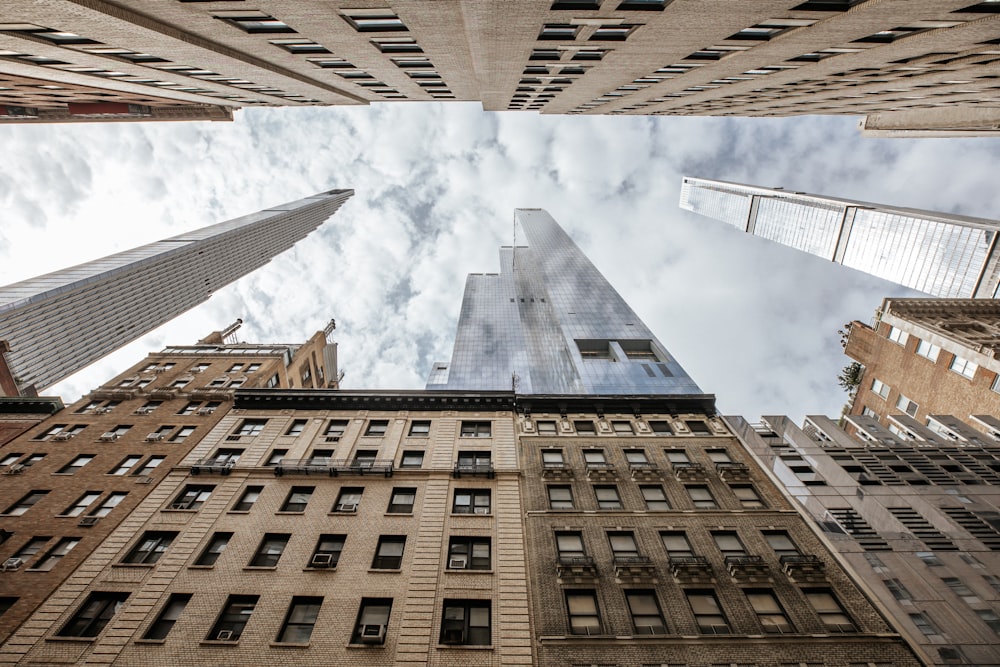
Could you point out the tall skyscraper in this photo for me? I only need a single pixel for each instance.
(56, 324)
(942, 254)
(908, 67)
(550, 323)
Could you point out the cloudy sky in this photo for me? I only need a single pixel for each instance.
(436, 185)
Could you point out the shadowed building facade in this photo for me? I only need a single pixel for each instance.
(942, 254)
(56, 324)
(920, 67)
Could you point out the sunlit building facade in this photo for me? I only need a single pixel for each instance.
(942, 254)
(53, 325)
(550, 323)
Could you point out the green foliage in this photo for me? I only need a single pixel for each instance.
(850, 376)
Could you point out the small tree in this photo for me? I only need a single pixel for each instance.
(845, 333)
(850, 377)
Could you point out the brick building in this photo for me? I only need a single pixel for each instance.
(914, 518)
(928, 357)
(908, 66)
(72, 479)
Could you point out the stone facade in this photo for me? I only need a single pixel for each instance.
(914, 520)
(906, 64)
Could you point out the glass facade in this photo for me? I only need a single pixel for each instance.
(943, 255)
(550, 323)
(92, 309)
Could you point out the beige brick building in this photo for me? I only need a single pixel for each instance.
(915, 519)
(908, 66)
(71, 479)
(927, 357)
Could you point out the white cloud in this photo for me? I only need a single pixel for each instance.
(436, 187)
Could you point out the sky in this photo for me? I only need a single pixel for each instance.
(436, 186)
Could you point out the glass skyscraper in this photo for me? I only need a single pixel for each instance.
(58, 323)
(945, 255)
(550, 323)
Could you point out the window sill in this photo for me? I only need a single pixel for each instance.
(341, 513)
(290, 512)
(364, 647)
(238, 512)
(471, 514)
(201, 567)
(384, 570)
(410, 513)
(219, 642)
(148, 566)
(288, 645)
(77, 640)
(184, 511)
(468, 570)
(465, 647)
(150, 641)
(258, 568)
(319, 569)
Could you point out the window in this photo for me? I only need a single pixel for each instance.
(125, 465)
(234, 618)
(168, 616)
(25, 503)
(925, 349)
(702, 497)
(868, 412)
(247, 500)
(252, 368)
(270, 550)
(199, 368)
(182, 433)
(32, 547)
(897, 335)
(623, 545)
(747, 495)
(961, 590)
(547, 427)
(55, 554)
(584, 618)
(990, 618)
(880, 388)
(297, 499)
(781, 543)
(963, 367)
(150, 547)
(401, 501)
(75, 464)
(81, 504)
(474, 461)
(993, 581)
(373, 621)
(923, 623)
(558, 31)
(607, 497)
(570, 546)
(275, 457)
(707, 613)
(374, 20)
(299, 45)
(613, 33)
(251, 427)
(476, 430)
(10, 459)
(115, 433)
(227, 457)
(412, 459)
(622, 427)
(214, 549)
(595, 458)
(584, 427)
(348, 499)
(420, 429)
(109, 504)
(93, 615)
(469, 553)
(660, 427)
(647, 618)
(396, 45)
(553, 458)
(300, 620)
(466, 622)
(906, 405)
(150, 465)
(273, 381)
(328, 550)
(897, 589)
(389, 554)
(190, 408)
(830, 612)
(297, 427)
(192, 497)
(636, 458)
(560, 497)
(655, 497)
(377, 427)
(729, 543)
(677, 545)
(677, 457)
(929, 558)
(771, 616)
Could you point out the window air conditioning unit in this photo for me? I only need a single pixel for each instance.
(332, 438)
(205, 411)
(63, 437)
(233, 438)
(89, 520)
(224, 635)
(144, 410)
(457, 563)
(143, 479)
(15, 469)
(480, 510)
(453, 636)
(11, 564)
(110, 436)
(322, 560)
(101, 411)
(347, 507)
(372, 634)
(154, 437)
(179, 506)
(160, 369)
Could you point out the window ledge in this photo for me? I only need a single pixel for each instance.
(217, 642)
(399, 514)
(384, 570)
(77, 640)
(148, 566)
(290, 512)
(150, 641)
(289, 645)
(260, 567)
(337, 513)
(471, 514)
(238, 512)
(319, 569)
(365, 647)
(468, 571)
(63, 474)
(201, 567)
(179, 511)
(465, 647)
